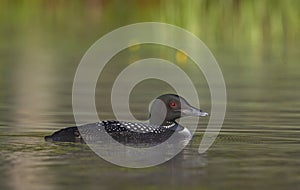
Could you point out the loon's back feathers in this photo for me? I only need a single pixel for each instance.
(123, 132)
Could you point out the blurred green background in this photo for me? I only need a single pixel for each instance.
(57, 27)
(42, 42)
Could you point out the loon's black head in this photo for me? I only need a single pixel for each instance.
(169, 107)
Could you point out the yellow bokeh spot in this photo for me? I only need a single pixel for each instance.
(132, 46)
(181, 57)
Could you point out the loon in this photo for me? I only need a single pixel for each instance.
(164, 110)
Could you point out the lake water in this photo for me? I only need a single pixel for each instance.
(257, 148)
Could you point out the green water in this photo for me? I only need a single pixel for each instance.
(255, 43)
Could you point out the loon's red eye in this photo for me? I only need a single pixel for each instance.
(172, 104)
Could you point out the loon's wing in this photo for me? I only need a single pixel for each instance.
(136, 133)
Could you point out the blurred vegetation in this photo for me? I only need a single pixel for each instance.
(265, 23)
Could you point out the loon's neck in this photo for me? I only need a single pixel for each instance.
(167, 124)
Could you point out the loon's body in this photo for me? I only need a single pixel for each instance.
(162, 125)
(123, 132)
